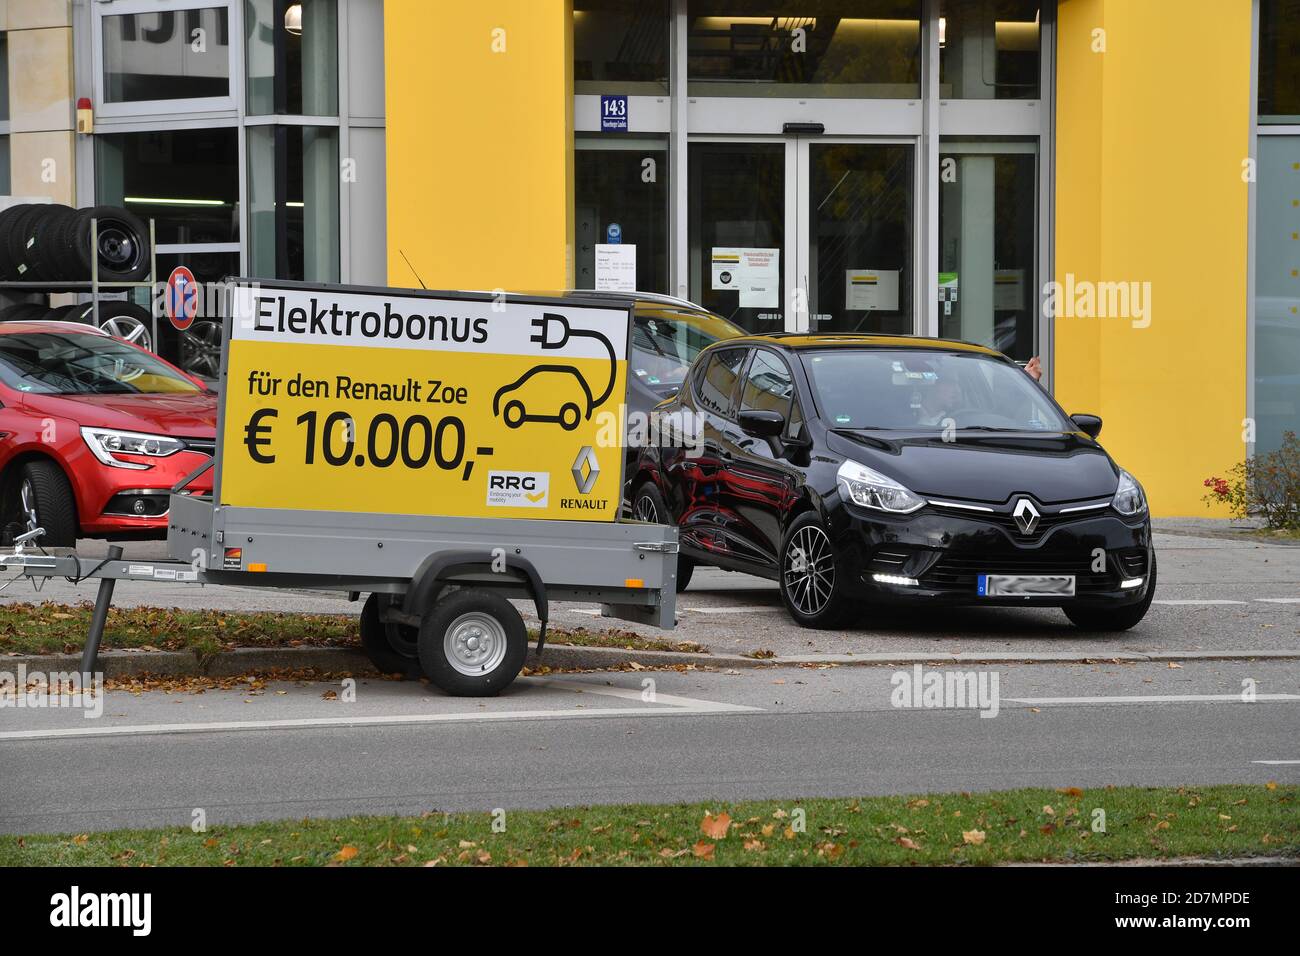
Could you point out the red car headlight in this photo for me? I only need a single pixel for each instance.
(106, 443)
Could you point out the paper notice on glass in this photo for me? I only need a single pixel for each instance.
(754, 273)
(615, 268)
(866, 290)
(1008, 289)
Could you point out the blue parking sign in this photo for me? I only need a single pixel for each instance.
(613, 113)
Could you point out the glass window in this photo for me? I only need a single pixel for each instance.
(718, 383)
(988, 49)
(304, 38)
(293, 193)
(768, 387)
(666, 340)
(620, 47)
(197, 350)
(1277, 292)
(851, 48)
(187, 180)
(1279, 61)
(169, 55)
(53, 363)
(861, 209)
(988, 245)
(923, 390)
(622, 198)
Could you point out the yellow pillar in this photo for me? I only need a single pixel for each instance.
(1153, 127)
(480, 143)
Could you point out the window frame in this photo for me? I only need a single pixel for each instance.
(152, 108)
(742, 370)
(795, 405)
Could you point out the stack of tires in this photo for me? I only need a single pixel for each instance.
(51, 243)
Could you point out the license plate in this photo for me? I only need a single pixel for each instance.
(1026, 585)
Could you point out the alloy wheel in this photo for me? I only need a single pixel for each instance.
(128, 329)
(645, 510)
(809, 570)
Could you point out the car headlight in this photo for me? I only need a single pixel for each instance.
(106, 443)
(871, 489)
(1129, 498)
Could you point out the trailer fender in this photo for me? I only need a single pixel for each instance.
(434, 571)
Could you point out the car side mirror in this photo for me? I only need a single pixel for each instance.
(1090, 425)
(761, 423)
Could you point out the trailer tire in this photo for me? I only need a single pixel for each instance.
(472, 643)
(392, 648)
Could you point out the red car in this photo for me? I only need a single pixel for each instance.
(94, 432)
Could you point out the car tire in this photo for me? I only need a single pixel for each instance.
(472, 643)
(17, 238)
(8, 228)
(570, 415)
(123, 245)
(648, 505)
(43, 491)
(513, 414)
(25, 312)
(392, 648)
(1114, 619)
(812, 588)
(126, 321)
(45, 250)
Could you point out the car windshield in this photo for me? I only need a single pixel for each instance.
(928, 390)
(665, 343)
(80, 363)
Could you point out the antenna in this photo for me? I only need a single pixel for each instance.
(413, 272)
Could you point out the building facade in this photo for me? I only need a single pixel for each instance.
(1112, 185)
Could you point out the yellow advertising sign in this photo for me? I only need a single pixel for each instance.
(360, 401)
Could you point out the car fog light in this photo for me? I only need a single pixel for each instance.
(139, 506)
(895, 579)
(1128, 583)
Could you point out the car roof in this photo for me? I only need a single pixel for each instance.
(859, 340)
(50, 325)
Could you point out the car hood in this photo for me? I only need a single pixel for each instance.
(182, 416)
(1052, 467)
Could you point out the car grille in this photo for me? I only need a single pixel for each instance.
(207, 446)
(1005, 519)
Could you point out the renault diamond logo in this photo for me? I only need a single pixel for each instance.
(585, 462)
(1026, 516)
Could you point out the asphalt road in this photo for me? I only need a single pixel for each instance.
(1215, 593)
(287, 752)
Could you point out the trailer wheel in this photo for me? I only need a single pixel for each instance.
(392, 648)
(472, 643)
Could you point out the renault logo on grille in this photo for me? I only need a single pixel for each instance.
(586, 469)
(1026, 516)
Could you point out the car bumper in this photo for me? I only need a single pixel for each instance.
(945, 554)
(118, 501)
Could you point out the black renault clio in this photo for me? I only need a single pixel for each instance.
(859, 470)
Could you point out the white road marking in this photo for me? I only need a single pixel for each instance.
(1151, 699)
(1276, 763)
(664, 705)
(1279, 600)
(1205, 602)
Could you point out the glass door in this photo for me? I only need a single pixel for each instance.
(738, 231)
(856, 245)
(804, 235)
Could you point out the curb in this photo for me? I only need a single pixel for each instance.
(133, 663)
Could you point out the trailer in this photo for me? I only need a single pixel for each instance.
(440, 452)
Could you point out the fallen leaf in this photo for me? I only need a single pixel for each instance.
(972, 837)
(715, 827)
(1071, 791)
(754, 845)
(769, 829)
(703, 850)
(1271, 785)
(1174, 666)
(906, 843)
(1049, 811)
(344, 854)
